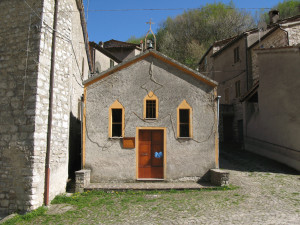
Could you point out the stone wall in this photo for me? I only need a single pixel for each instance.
(294, 33)
(82, 180)
(123, 53)
(19, 56)
(277, 38)
(273, 128)
(102, 62)
(25, 68)
(227, 73)
(219, 177)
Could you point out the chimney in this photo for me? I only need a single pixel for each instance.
(101, 44)
(142, 45)
(274, 16)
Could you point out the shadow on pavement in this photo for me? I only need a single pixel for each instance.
(233, 157)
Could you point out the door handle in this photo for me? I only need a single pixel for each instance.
(144, 154)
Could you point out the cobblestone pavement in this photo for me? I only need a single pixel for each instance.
(267, 193)
(270, 190)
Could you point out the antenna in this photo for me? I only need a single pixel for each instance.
(262, 26)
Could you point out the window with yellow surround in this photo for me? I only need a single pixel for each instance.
(150, 106)
(184, 120)
(116, 120)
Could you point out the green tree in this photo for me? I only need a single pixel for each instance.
(134, 40)
(137, 40)
(286, 9)
(187, 36)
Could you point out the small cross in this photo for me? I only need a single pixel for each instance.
(150, 22)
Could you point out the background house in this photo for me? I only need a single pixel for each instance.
(122, 50)
(150, 118)
(234, 66)
(25, 62)
(272, 107)
(101, 58)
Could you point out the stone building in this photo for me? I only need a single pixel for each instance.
(233, 64)
(122, 50)
(101, 58)
(150, 117)
(26, 49)
(272, 106)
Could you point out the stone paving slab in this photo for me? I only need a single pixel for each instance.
(149, 186)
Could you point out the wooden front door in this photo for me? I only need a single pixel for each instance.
(151, 154)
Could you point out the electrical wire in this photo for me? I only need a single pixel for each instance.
(162, 9)
(63, 37)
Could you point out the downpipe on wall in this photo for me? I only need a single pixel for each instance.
(218, 119)
(49, 128)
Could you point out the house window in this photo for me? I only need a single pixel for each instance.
(150, 106)
(151, 109)
(116, 120)
(112, 63)
(237, 89)
(227, 96)
(236, 55)
(184, 120)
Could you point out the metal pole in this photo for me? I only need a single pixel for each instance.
(81, 127)
(49, 128)
(218, 115)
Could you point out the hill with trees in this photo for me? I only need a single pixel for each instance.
(187, 36)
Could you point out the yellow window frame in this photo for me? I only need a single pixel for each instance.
(150, 96)
(116, 105)
(185, 105)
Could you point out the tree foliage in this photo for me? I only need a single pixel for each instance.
(137, 40)
(187, 36)
(286, 9)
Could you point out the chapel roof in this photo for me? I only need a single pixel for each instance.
(157, 55)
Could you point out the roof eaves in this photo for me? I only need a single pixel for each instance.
(250, 93)
(125, 44)
(105, 52)
(289, 19)
(143, 55)
(205, 54)
(80, 8)
(265, 36)
(230, 44)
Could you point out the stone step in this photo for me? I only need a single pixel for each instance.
(141, 186)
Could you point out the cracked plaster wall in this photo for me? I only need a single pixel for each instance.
(185, 158)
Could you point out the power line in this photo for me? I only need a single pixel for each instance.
(157, 9)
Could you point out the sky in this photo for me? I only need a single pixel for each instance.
(106, 21)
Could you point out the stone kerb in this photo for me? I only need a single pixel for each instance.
(219, 177)
(82, 180)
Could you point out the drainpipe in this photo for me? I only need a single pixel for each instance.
(49, 128)
(247, 66)
(81, 127)
(218, 115)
